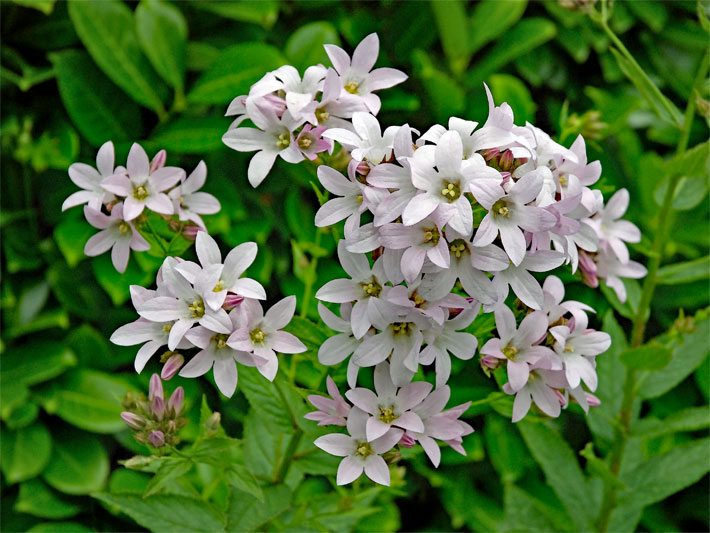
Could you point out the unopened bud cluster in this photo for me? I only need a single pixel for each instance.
(154, 420)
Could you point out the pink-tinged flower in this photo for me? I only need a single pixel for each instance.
(152, 334)
(399, 180)
(390, 406)
(443, 188)
(541, 388)
(171, 366)
(400, 338)
(364, 288)
(299, 95)
(359, 454)
(449, 339)
(331, 411)
(612, 231)
(336, 104)
(189, 203)
(357, 76)
(142, 188)
(588, 269)
(261, 334)
(337, 348)
(410, 298)
(310, 142)
(440, 424)
(524, 285)
(225, 277)
(116, 234)
(587, 174)
(508, 214)
(554, 307)
(422, 240)
(519, 345)
(577, 347)
(611, 270)
(367, 141)
(216, 354)
(89, 179)
(186, 307)
(350, 204)
(463, 127)
(272, 139)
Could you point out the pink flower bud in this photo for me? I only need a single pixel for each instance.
(363, 168)
(155, 389)
(588, 269)
(506, 160)
(172, 365)
(157, 439)
(231, 301)
(190, 232)
(175, 402)
(560, 397)
(490, 153)
(490, 362)
(275, 102)
(407, 441)
(133, 421)
(158, 161)
(592, 400)
(158, 407)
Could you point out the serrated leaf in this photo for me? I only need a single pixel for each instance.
(249, 514)
(241, 479)
(233, 72)
(305, 45)
(651, 356)
(170, 469)
(79, 463)
(166, 512)
(162, 34)
(107, 29)
(25, 452)
(98, 108)
(561, 469)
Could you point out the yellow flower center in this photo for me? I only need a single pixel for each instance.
(220, 340)
(500, 209)
(569, 349)
(418, 300)
(305, 143)
(431, 235)
(322, 115)
(458, 248)
(363, 449)
(352, 87)
(257, 336)
(219, 287)
(197, 308)
(387, 414)
(140, 192)
(167, 328)
(284, 141)
(451, 191)
(510, 352)
(371, 289)
(124, 228)
(402, 328)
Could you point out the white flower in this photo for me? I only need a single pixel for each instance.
(299, 94)
(89, 179)
(350, 204)
(335, 349)
(524, 285)
(613, 232)
(367, 142)
(449, 339)
(188, 203)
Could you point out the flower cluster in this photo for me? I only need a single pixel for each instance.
(379, 422)
(209, 306)
(116, 199)
(155, 421)
(437, 228)
(295, 116)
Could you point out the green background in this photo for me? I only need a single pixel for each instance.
(77, 74)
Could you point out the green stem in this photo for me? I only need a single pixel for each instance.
(311, 278)
(603, 22)
(641, 317)
(157, 237)
(293, 443)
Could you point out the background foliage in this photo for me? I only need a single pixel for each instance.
(77, 74)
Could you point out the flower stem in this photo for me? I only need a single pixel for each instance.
(311, 277)
(642, 313)
(157, 237)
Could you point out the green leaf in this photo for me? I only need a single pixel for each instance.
(689, 351)
(60, 527)
(689, 193)
(164, 512)
(264, 12)
(451, 21)
(22, 415)
(32, 301)
(692, 419)
(71, 235)
(162, 33)
(79, 463)
(116, 284)
(506, 88)
(249, 514)
(561, 469)
(524, 512)
(25, 452)
(491, 18)
(107, 29)
(37, 499)
(277, 402)
(446, 96)
(599, 468)
(88, 399)
(651, 356)
(35, 362)
(658, 478)
(45, 6)
(662, 106)
(96, 106)
(305, 45)
(524, 37)
(685, 272)
(190, 135)
(505, 448)
(92, 349)
(171, 468)
(233, 73)
(241, 479)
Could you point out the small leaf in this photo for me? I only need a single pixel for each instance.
(162, 33)
(233, 72)
(25, 452)
(107, 29)
(249, 514)
(505, 448)
(71, 235)
(264, 12)
(170, 469)
(599, 468)
(37, 499)
(305, 45)
(491, 18)
(189, 135)
(79, 463)
(648, 357)
(241, 479)
(35, 362)
(117, 284)
(97, 107)
(691, 419)
(685, 272)
(450, 16)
